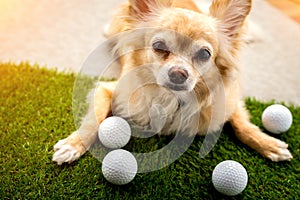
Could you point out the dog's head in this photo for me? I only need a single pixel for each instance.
(187, 48)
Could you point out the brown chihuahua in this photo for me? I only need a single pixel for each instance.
(175, 56)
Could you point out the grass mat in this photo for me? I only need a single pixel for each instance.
(36, 111)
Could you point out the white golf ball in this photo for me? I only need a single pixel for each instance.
(230, 178)
(277, 118)
(114, 132)
(119, 167)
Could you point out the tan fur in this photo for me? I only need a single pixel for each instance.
(122, 21)
(212, 92)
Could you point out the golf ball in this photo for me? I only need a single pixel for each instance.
(119, 167)
(277, 118)
(114, 132)
(230, 178)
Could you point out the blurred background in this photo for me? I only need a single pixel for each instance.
(61, 34)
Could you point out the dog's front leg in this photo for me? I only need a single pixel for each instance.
(71, 148)
(251, 135)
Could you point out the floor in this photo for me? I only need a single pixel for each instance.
(62, 34)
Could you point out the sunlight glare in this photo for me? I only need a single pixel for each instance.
(9, 6)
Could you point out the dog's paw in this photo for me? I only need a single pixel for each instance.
(277, 150)
(65, 153)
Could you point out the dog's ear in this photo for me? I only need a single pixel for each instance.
(231, 13)
(142, 8)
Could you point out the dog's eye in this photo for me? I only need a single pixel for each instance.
(160, 47)
(203, 55)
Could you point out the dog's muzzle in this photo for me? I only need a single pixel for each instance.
(178, 75)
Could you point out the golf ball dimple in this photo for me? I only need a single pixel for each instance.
(277, 118)
(114, 132)
(230, 178)
(119, 167)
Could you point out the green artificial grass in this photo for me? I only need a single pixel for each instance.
(36, 111)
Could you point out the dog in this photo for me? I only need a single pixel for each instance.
(180, 66)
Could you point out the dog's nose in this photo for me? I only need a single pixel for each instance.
(178, 75)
